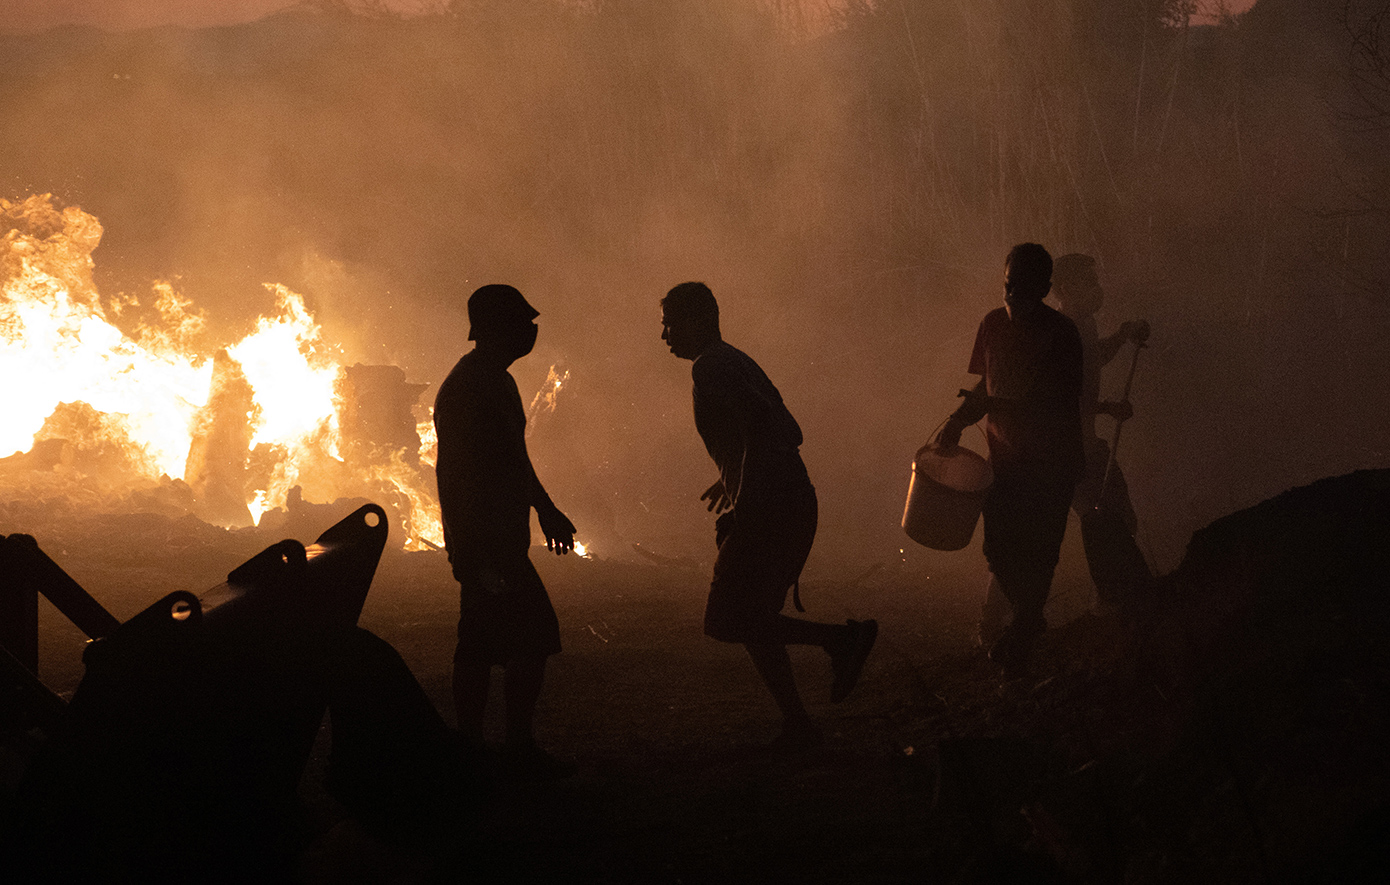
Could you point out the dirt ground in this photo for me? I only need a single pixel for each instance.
(666, 726)
(1263, 762)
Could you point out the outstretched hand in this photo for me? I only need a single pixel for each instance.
(558, 530)
(718, 498)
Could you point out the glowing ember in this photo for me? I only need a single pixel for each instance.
(429, 440)
(547, 397)
(258, 506)
(423, 526)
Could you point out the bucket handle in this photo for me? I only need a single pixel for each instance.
(937, 429)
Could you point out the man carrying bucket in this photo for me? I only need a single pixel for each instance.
(770, 523)
(1102, 502)
(1030, 361)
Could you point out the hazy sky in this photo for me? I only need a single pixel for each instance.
(19, 16)
(35, 15)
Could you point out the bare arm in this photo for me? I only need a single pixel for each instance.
(557, 528)
(975, 407)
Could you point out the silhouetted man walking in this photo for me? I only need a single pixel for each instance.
(1102, 501)
(487, 488)
(767, 514)
(1029, 359)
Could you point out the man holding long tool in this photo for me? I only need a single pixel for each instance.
(1102, 499)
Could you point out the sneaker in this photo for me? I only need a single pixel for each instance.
(847, 662)
(531, 763)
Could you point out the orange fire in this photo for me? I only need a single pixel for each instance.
(548, 396)
(57, 346)
(150, 396)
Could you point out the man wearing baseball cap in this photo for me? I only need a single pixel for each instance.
(487, 488)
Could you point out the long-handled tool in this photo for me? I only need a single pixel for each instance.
(1121, 574)
(1119, 426)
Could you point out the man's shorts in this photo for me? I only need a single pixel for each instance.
(497, 625)
(760, 557)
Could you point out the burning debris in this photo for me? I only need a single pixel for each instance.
(548, 397)
(376, 415)
(230, 429)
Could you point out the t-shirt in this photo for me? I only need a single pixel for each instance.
(746, 428)
(1033, 373)
(484, 472)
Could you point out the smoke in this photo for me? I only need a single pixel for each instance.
(847, 181)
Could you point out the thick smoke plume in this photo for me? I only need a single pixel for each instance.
(848, 186)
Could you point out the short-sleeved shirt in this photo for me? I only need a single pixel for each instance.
(484, 472)
(1033, 373)
(747, 430)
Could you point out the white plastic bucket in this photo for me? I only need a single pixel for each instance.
(945, 496)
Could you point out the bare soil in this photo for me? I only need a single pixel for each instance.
(666, 726)
(1236, 736)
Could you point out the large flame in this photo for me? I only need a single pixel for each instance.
(291, 372)
(57, 346)
(153, 391)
